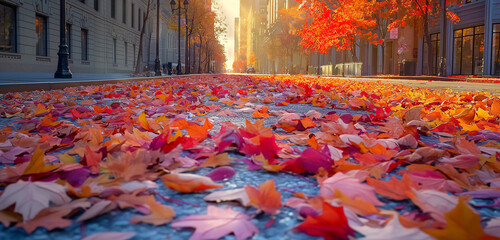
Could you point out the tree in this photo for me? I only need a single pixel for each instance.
(424, 13)
(340, 24)
(203, 26)
(141, 37)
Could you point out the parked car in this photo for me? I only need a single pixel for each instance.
(251, 70)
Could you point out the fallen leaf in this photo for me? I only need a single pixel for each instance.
(393, 229)
(160, 214)
(31, 197)
(238, 194)
(266, 198)
(461, 223)
(348, 186)
(110, 235)
(217, 223)
(97, 209)
(186, 182)
(331, 224)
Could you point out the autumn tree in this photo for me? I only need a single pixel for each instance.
(339, 24)
(424, 13)
(202, 26)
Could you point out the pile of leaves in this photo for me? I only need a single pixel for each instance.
(391, 162)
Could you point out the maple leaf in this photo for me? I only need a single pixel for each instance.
(97, 209)
(53, 217)
(31, 197)
(393, 188)
(110, 235)
(7, 217)
(238, 194)
(357, 205)
(186, 182)
(160, 214)
(310, 161)
(266, 198)
(349, 186)
(461, 223)
(331, 224)
(221, 173)
(393, 230)
(37, 163)
(217, 223)
(217, 160)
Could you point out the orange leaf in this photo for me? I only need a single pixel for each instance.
(495, 108)
(461, 223)
(393, 188)
(187, 183)
(357, 205)
(266, 198)
(217, 160)
(160, 214)
(37, 164)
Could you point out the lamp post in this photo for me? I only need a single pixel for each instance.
(63, 54)
(172, 5)
(157, 60)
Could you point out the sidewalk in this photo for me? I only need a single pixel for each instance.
(29, 81)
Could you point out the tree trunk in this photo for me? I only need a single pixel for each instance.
(199, 55)
(307, 63)
(442, 65)
(139, 52)
(353, 53)
(427, 37)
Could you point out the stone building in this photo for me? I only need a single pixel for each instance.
(102, 35)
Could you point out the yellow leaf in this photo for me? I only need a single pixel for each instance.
(37, 164)
(461, 224)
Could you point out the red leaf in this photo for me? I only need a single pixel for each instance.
(331, 224)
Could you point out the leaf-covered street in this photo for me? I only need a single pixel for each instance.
(249, 157)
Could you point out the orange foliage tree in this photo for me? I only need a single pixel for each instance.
(340, 24)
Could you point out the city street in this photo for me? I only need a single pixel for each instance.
(251, 157)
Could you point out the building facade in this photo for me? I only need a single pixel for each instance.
(102, 35)
(473, 45)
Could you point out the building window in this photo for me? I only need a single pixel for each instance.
(124, 11)
(132, 20)
(68, 39)
(496, 50)
(468, 54)
(114, 51)
(126, 53)
(85, 44)
(7, 28)
(436, 45)
(41, 33)
(113, 8)
(96, 5)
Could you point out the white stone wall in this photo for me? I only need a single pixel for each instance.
(102, 29)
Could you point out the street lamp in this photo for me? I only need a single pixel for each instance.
(157, 60)
(172, 5)
(63, 54)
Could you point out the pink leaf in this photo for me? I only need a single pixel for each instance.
(349, 186)
(217, 223)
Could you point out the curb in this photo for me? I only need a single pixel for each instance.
(47, 86)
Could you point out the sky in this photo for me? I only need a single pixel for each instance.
(230, 10)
